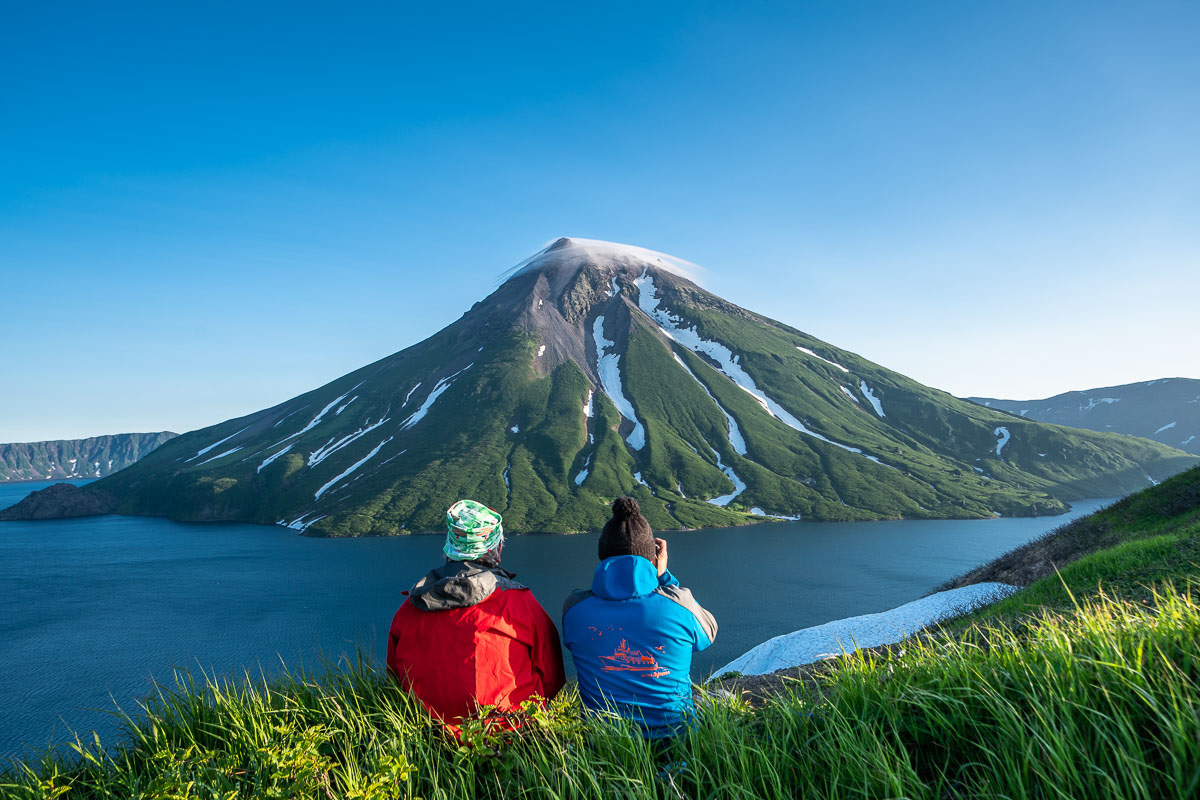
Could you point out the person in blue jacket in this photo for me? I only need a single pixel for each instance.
(633, 633)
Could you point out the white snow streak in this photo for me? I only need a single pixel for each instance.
(758, 512)
(410, 392)
(298, 524)
(867, 393)
(321, 415)
(1004, 436)
(352, 467)
(220, 455)
(637, 476)
(217, 444)
(583, 473)
(610, 382)
(515, 429)
(726, 360)
(820, 358)
(322, 453)
(343, 406)
(1095, 401)
(588, 410)
(846, 391)
(1166, 427)
(441, 386)
(735, 434)
(616, 289)
(541, 351)
(869, 630)
(1185, 442)
(1152, 481)
(739, 485)
(269, 459)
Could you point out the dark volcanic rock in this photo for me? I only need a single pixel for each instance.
(59, 501)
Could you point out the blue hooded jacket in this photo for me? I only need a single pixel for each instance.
(632, 637)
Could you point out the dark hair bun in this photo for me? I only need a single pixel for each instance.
(625, 507)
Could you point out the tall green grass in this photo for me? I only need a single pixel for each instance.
(1099, 701)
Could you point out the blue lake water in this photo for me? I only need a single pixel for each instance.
(93, 610)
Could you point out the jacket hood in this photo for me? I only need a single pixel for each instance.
(624, 577)
(459, 584)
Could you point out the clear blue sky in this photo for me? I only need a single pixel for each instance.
(208, 208)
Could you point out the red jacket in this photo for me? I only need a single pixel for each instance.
(469, 636)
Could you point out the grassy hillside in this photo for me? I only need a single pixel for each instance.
(1043, 696)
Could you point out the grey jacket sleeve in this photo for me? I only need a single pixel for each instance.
(705, 621)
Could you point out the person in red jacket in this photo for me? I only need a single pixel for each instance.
(469, 635)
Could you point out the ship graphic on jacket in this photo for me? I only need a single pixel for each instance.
(631, 637)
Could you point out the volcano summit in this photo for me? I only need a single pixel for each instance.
(599, 369)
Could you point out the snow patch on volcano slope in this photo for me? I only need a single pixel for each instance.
(329, 448)
(220, 455)
(821, 358)
(271, 458)
(541, 351)
(1003, 435)
(1095, 401)
(299, 524)
(739, 485)
(758, 512)
(588, 409)
(846, 391)
(1166, 427)
(1185, 443)
(583, 473)
(218, 444)
(727, 362)
(735, 434)
(440, 387)
(867, 393)
(868, 630)
(351, 468)
(320, 415)
(343, 406)
(410, 391)
(610, 381)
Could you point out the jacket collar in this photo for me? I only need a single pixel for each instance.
(459, 584)
(624, 578)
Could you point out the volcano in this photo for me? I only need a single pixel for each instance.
(598, 369)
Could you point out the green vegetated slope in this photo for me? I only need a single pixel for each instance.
(1166, 410)
(496, 407)
(1088, 690)
(93, 457)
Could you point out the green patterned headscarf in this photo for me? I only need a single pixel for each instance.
(472, 530)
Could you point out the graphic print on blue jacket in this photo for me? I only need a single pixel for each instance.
(632, 637)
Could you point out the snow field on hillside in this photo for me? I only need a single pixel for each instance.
(1166, 427)
(868, 630)
(331, 447)
(352, 468)
(220, 455)
(727, 362)
(821, 358)
(269, 459)
(609, 369)
(216, 444)
(437, 391)
(735, 434)
(739, 485)
(1003, 435)
(867, 393)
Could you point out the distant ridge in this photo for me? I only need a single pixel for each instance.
(598, 369)
(95, 457)
(1166, 410)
